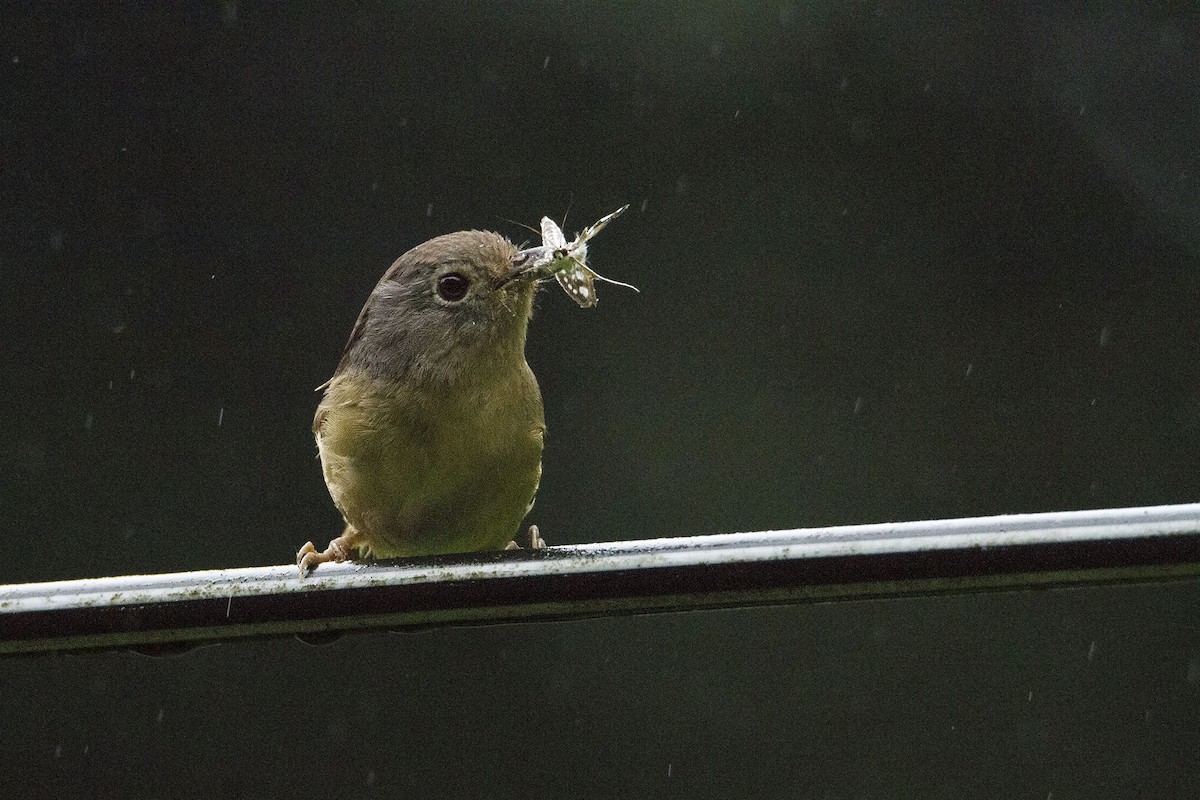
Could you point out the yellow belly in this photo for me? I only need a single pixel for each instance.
(419, 475)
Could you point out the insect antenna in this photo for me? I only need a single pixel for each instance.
(595, 274)
(522, 225)
(570, 202)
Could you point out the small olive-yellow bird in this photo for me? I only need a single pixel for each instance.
(430, 430)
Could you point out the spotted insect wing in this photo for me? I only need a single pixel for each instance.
(577, 282)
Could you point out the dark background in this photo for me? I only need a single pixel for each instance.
(897, 262)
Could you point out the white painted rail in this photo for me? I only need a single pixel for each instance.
(163, 613)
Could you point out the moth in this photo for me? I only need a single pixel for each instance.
(567, 261)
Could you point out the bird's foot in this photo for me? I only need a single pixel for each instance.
(308, 557)
(534, 542)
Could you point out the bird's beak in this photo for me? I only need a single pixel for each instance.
(526, 263)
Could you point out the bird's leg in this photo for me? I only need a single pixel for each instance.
(535, 542)
(339, 550)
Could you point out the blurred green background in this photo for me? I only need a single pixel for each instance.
(897, 261)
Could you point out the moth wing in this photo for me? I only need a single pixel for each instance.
(576, 281)
(552, 235)
(598, 225)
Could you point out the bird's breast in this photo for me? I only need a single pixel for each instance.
(431, 471)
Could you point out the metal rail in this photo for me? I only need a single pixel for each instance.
(164, 613)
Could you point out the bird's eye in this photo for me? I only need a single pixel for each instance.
(453, 287)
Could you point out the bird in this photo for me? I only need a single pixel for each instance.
(430, 431)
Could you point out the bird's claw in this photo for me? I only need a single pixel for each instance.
(308, 557)
(535, 541)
